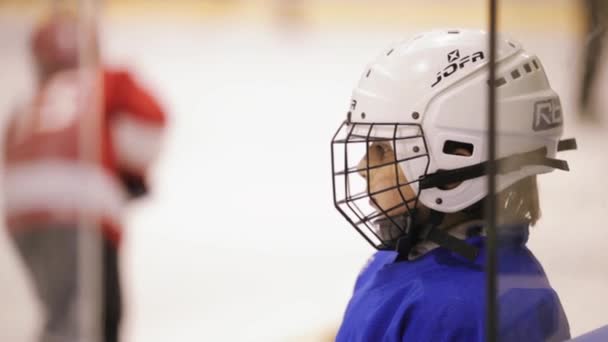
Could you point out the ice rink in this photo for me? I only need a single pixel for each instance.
(240, 241)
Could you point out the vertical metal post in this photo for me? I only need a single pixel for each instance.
(492, 241)
(90, 277)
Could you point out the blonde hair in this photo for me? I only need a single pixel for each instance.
(519, 203)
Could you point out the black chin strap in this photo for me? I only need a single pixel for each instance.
(431, 232)
(503, 165)
(452, 243)
(566, 145)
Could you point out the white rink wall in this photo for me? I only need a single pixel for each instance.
(240, 241)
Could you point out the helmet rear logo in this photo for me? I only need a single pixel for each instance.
(457, 63)
(547, 115)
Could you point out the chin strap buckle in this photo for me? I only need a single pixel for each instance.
(431, 232)
(452, 243)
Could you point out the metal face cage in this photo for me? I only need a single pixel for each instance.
(369, 178)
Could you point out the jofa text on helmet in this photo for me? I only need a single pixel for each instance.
(457, 64)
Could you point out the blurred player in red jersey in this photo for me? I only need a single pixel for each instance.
(49, 183)
(596, 30)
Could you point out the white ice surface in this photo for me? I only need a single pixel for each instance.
(240, 241)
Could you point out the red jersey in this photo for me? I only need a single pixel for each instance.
(80, 149)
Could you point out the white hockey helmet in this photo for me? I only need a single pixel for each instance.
(430, 92)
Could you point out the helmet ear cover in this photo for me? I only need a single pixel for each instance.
(503, 165)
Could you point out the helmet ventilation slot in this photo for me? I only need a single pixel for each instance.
(501, 81)
(535, 64)
(515, 74)
(458, 148)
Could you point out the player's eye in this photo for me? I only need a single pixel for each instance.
(378, 150)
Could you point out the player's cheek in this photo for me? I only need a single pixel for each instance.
(387, 199)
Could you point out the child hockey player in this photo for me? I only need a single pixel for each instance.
(409, 174)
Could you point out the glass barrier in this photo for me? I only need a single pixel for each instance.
(53, 179)
(551, 261)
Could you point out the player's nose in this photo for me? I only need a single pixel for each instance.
(362, 167)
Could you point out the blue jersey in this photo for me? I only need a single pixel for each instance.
(441, 297)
